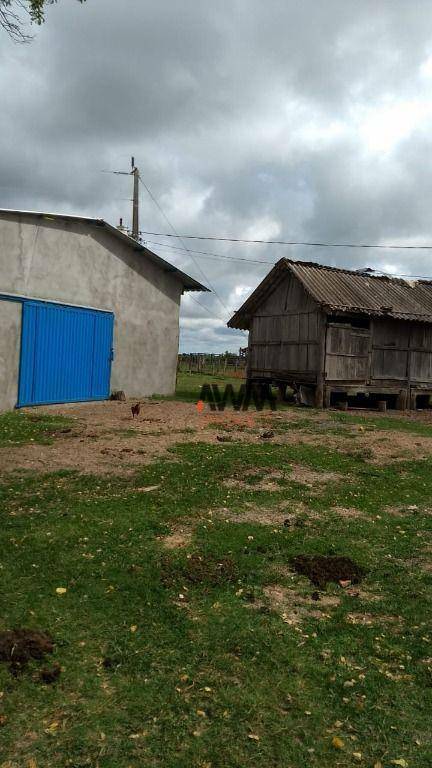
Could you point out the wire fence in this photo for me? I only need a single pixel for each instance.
(226, 364)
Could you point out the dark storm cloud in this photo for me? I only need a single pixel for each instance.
(280, 120)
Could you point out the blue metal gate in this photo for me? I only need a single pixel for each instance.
(66, 354)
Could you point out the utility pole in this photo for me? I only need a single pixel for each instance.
(135, 201)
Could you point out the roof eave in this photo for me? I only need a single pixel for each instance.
(238, 323)
(241, 318)
(408, 316)
(188, 283)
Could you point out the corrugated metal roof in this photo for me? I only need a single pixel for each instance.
(188, 282)
(342, 290)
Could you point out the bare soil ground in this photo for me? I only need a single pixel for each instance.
(284, 513)
(294, 607)
(105, 439)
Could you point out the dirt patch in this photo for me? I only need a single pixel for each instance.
(178, 538)
(385, 446)
(104, 439)
(199, 570)
(406, 511)
(373, 447)
(294, 608)
(321, 569)
(362, 595)
(19, 646)
(348, 512)
(307, 476)
(286, 513)
(370, 619)
(269, 483)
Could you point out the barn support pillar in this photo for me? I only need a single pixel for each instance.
(319, 393)
(282, 387)
(402, 400)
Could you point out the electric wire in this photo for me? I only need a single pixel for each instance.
(211, 255)
(293, 242)
(179, 237)
(192, 252)
(221, 301)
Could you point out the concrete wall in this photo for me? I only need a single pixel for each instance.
(81, 264)
(10, 335)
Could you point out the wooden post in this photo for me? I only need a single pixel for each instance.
(411, 395)
(282, 390)
(319, 392)
(402, 400)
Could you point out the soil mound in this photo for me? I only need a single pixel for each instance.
(321, 569)
(19, 646)
(200, 570)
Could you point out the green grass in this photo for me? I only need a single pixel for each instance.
(17, 428)
(384, 423)
(337, 423)
(189, 385)
(191, 678)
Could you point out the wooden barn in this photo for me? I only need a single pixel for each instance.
(335, 334)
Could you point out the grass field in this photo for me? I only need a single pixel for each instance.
(189, 385)
(214, 654)
(17, 428)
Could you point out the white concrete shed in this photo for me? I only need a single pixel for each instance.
(84, 310)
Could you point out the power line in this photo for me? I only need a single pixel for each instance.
(162, 212)
(197, 265)
(294, 242)
(209, 312)
(208, 254)
(212, 314)
(211, 255)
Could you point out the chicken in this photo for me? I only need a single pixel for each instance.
(136, 410)
(267, 435)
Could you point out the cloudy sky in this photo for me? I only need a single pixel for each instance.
(270, 119)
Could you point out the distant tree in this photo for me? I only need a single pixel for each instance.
(11, 16)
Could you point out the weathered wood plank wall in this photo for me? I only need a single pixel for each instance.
(291, 338)
(285, 332)
(347, 353)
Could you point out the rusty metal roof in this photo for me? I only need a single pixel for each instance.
(342, 290)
